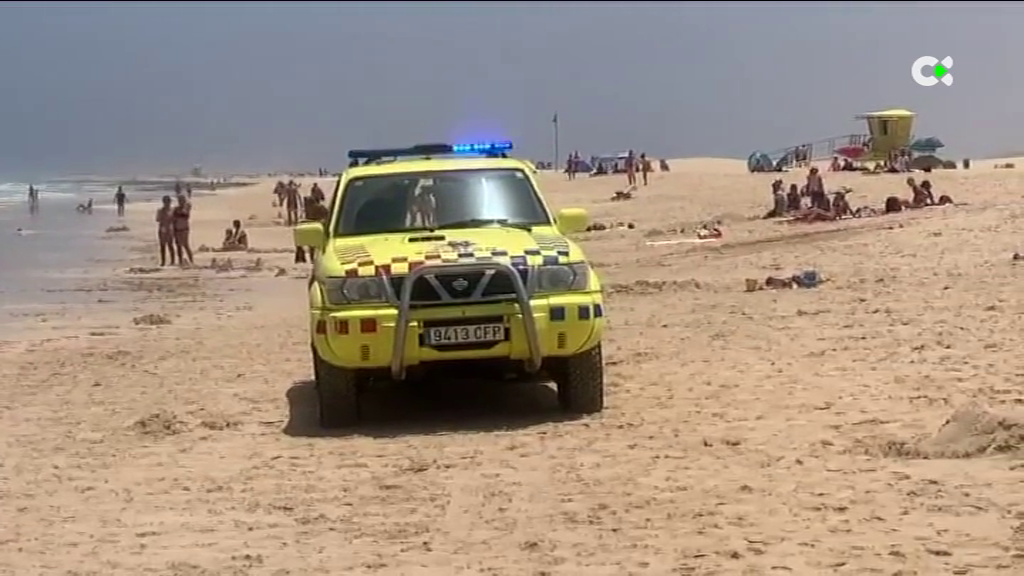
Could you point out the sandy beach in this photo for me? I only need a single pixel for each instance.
(866, 426)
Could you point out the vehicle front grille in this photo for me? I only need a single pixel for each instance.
(460, 286)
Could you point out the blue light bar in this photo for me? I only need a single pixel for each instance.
(498, 148)
(482, 147)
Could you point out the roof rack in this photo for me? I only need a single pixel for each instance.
(487, 149)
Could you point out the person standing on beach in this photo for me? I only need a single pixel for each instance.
(631, 169)
(33, 200)
(165, 230)
(316, 193)
(119, 199)
(188, 191)
(181, 215)
(291, 199)
(279, 192)
(816, 189)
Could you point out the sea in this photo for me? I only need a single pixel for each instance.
(48, 256)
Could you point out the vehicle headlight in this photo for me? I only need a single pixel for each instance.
(563, 278)
(353, 290)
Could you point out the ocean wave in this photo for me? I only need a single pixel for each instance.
(17, 192)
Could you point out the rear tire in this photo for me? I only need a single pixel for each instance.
(580, 381)
(337, 391)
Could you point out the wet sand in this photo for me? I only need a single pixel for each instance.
(769, 432)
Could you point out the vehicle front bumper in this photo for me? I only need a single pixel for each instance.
(365, 338)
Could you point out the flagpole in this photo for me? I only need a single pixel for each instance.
(554, 120)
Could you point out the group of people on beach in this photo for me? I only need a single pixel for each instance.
(289, 198)
(295, 204)
(632, 165)
(172, 223)
(810, 203)
(313, 210)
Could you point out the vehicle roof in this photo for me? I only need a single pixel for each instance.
(437, 165)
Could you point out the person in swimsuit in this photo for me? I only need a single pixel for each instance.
(919, 196)
(291, 200)
(119, 199)
(279, 193)
(793, 199)
(631, 169)
(33, 200)
(816, 190)
(165, 230)
(180, 215)
(316, 193)
(235, 238)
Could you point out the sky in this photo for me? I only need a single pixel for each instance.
(130, 89)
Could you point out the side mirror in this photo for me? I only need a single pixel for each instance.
(572, 220)
(309, 235)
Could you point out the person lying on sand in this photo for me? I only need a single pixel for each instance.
(621, 195)
(813, 214)
(865, 212)
(709, 232)
(235, 238)
(826, 210)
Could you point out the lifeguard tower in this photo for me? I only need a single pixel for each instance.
(888, 130)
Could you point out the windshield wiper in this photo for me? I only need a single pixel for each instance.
(482, 222)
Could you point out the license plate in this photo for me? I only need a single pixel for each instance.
(450, 335)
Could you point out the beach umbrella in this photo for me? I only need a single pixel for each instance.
(851, 152)
(926, 162)
(929, 144)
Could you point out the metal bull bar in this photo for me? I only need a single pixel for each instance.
(429, 271)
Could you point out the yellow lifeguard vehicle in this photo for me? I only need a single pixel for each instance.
(446, 259)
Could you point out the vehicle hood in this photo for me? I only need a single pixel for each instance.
(395, 253)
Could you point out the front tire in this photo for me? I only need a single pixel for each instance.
(337, 391)
(580, 381)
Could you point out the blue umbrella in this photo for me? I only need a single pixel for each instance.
(929, 144)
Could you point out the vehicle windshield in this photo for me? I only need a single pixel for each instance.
(438, 200)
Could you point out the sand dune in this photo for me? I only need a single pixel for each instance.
(793, 431)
